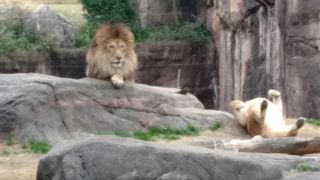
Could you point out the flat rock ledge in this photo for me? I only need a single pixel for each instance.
(110, 157)
(43, 107)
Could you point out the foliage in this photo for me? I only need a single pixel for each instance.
(39, 147)
(101, 11)
(303, 167)
(215, 126)
(85, 34)
(14, 38)
(315, 122)
(160, 133)
(188, 31)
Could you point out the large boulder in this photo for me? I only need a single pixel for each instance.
(51, 26)
(109, 157)
(43, 107)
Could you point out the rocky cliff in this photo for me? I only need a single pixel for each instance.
(264, 44)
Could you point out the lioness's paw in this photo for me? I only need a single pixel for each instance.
(117, 81)
(300, 122)
(273, 93)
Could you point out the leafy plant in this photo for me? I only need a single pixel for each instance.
(14, 38)
(215, 126)
(85, 34)
(188, 31)
(39, 147)
(100, 11)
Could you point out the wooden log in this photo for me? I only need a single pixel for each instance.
(287, 145)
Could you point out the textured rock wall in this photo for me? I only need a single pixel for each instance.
(160, 12)
(169, 64)
(268, 44)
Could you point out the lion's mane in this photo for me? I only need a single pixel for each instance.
(98, 57)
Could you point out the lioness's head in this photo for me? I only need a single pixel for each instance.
(117, 43)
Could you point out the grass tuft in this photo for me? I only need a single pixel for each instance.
(166, 133)
(39, 147)
(302, 167)
(315, 122)
(215, 126)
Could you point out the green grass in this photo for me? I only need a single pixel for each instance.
(315, 122)
(302, 167)
(39, 147)
(215, 126)
(123, 134)
(160, 133)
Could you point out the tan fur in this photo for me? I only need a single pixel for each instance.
(112, 55)
(260, 116)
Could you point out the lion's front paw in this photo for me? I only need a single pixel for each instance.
(117, 80)
(273, 93)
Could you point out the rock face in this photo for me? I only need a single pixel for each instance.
(159, 12)
(43, 107)
(268, 44)
(52, 27)
(169, 64)
(180, 65)
(110, 157)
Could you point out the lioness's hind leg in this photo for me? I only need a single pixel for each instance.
(294, 129)
(263, 110)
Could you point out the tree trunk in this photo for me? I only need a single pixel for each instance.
(288, 145)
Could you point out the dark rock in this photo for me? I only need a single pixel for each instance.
(44, 107)
(111, 157)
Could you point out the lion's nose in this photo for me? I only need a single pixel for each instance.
(118, 58)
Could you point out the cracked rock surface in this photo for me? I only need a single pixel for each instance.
(43, 107)
(109, 157)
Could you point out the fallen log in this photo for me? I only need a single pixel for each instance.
(287, 145)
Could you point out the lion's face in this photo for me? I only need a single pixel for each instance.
(112, 53)
(117, 52)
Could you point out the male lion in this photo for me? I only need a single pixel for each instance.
(111, 54)
(263, 117)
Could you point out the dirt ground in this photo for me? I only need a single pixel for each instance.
(17, 163)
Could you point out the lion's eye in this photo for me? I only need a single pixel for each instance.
(111, 46)
(122, 47)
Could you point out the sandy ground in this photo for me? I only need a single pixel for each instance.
(17, 163)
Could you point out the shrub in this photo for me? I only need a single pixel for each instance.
(100, 11)
(188, 31)
(13, 37)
